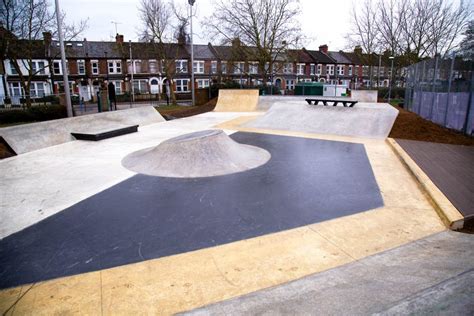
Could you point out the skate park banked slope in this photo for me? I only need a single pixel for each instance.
(34, 136)
(232, 100)
(366, 120)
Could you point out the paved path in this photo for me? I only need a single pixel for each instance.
(450, 167)
(429, 276)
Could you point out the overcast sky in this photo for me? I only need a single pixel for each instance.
(324, 21)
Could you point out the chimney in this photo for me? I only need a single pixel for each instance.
(323, 48)
(47, 37)
(236, 42)
(358, 50)
(119, 39)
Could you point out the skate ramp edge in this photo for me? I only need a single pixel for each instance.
(233, 100)
(366, 120)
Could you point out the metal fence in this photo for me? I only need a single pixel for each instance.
(441, 90)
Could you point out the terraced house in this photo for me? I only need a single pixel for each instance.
(151, 68)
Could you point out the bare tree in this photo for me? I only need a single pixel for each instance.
(162, 24)
(269, 26)
(466, 48)
(24, 22)
(413, 28)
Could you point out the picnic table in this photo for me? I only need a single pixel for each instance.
(345, 103)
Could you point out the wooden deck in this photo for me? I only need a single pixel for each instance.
(450, 167)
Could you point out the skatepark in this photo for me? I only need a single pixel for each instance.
(265, 205)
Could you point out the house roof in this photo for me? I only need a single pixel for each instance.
(320, 57)
(300, 56)
(201, 52)
(340, 58)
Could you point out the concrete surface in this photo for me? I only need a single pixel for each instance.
(29, 137)
(370, 96)
(429, 276)
(369, 120)
(200, 154)
(237, 100)
(38, 184)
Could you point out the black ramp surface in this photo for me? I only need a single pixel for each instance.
(306, 181)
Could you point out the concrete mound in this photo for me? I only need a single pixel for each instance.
(233, 100)
(367, 120)
(200, 154)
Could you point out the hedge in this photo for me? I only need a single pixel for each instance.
(33, 114)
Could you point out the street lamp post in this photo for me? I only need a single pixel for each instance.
(132, 64)
(391, 77)
(191, 3)
(63, 62)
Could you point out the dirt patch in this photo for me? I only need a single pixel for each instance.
(409, 125)
(185, 111)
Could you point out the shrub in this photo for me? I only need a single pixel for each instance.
(33, 114)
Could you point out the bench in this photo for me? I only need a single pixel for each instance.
(345, 103)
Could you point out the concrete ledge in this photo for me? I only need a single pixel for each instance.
(445, 209)
(34, 136)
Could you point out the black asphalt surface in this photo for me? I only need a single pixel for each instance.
(144, 217)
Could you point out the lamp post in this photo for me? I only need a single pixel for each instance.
(191, 3)
(391, 77)
(63, 62)
(132, 64)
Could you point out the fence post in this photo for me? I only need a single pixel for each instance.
(449, 89)
(433, 88)
(469, 108)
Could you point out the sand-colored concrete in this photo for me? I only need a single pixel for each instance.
(233, 100)
(446, 210)
(186, 281)
(29, 137)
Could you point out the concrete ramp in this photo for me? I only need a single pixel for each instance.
(368, 120)
(233, 100)
(34, 136)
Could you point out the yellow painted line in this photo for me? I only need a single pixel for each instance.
(446, 210)
(185, 281)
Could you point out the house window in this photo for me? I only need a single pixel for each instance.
(340, 70)
(15, 89)
(312, 69)
(239, 67)
(12, 69)
(95, 67)
(38, 67)
(37, 89)
(320, 69)
(198, 67)
(365, 70)
(290, 84)
(330, 69)
(224, 67)
(139, 86)
(181, 66)
(152, 66)
(203, 83)
(182, 85)
(288, 68)
(300, 69)
(81, 67)
(382, 71)
(118, 86)
(253, 68)
(115, 66)
(57, 67)
(213, 67)
(350, 70)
